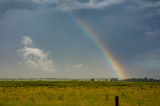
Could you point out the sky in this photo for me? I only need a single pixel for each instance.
(79, 38)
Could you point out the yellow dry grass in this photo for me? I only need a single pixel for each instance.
(149, 95)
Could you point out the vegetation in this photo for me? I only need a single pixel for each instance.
(78, 93)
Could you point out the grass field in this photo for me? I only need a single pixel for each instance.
(78, 93)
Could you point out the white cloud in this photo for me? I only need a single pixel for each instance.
(8, 5)
(27, 41)
(78, 66)
(35, 57)
(104, 3)
(77, 4)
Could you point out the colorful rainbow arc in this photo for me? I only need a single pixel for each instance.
(103, 48)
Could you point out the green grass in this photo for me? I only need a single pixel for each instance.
(78, 93)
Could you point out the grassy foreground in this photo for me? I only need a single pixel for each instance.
(78, 93)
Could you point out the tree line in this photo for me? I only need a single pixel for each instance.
(136, 79)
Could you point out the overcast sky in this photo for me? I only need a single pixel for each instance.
(41, 38)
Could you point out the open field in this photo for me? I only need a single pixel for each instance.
(78, 93)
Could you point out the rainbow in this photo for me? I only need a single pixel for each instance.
(117, 67)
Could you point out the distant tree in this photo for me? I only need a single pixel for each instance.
(151, 80)
(145, 79)
(114, 79)
(142, 80)
(92, 79)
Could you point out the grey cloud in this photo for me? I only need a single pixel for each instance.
(153, 34)
(150, 13)
(149, 3)
(92, 4)
(15, 4)
(7, 5)
(78, 66)
(150, 7)
(152, 55)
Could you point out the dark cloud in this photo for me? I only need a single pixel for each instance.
(15, 4)
(151, 14)
(7, 5)
(149, 11)
(142, 15)
(155, 34)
